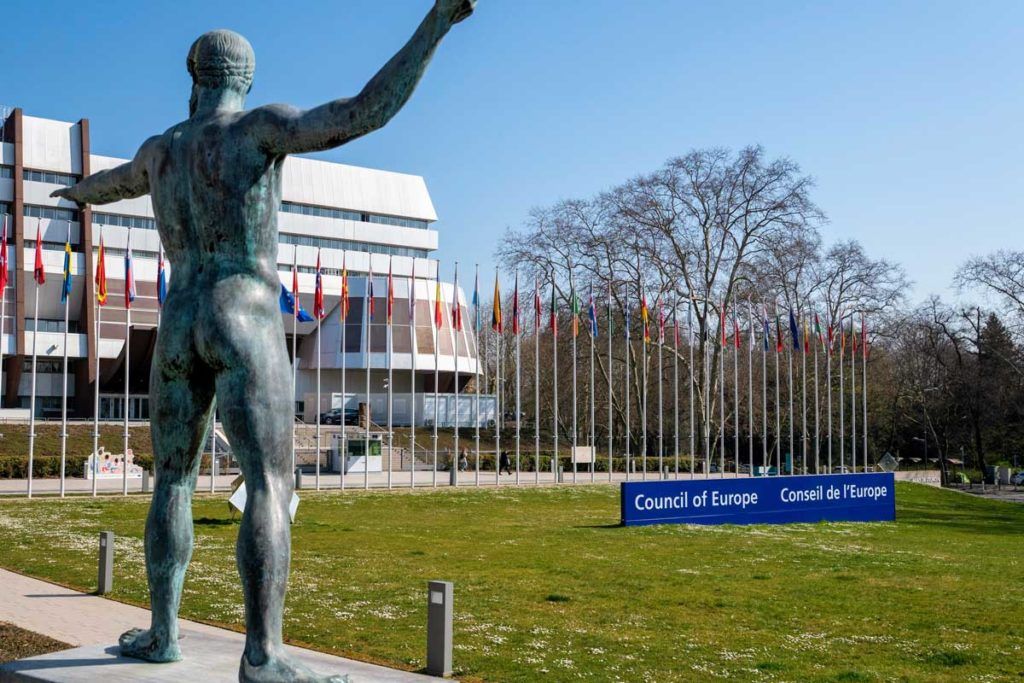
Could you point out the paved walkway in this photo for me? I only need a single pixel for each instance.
(94, 622)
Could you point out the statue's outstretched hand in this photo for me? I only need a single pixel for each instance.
(455, 10)
(68, 193)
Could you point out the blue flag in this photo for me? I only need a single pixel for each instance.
(288, 306)
(793, 331)
(592, 313)
(65, 290)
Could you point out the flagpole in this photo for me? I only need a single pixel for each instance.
(32, 400)
(593, 343)
(817, 402)
(789, 384)
(660, 389)
(629, 351)
(213, 447)
(574, 310)
(100, 290)
(736, 393)
(437, 374)
(295, 335)
(693, 380)
(317, 313)
(721, 400)
(803, 395)
(778, 396)
(864, 385)
(3, 304)
(611, 440)
(390, 360)
(853, 394)
(645, 319)
(414, 348)
(750, 389)
(842, 396)
(456, 332)
(519, 408)
(706, 362)
(536, 380)
(368, 302)
(553, 323)
(675, 385)
(828, 395)
(476, 375)
(343, 460)
(128, 283)
(66, 291)
(496, 328)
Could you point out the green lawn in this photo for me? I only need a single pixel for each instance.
(548, 587)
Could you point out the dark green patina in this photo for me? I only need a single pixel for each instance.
(215, 182)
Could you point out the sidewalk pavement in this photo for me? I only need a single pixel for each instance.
(80, 619)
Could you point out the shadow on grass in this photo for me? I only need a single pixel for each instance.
(213, 521)
(616, 525)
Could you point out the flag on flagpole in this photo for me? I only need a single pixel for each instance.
(793, 331)
(645, 316)
(831, 337)
(286, 303)
(842, 337)
(574, 306)
(456, 306)
(807, 342)
(318, 291)
(38, 272)
(817, 330)
(344, 287)
(736, 330)
(101, 275)
(412, 293)
(161, 280)
(438, 307)
(3, 259)
(369, 295)
(477, 321)
(778, 333)
(725, 341)
(767, 326)
(661, 321)
(390, 305)
(553, 312)
(515, 305)
(129, 275)
(496, 324)
(538, 307)
(65, 289)
(592, 314)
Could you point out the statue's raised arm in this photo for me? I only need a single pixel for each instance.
(286, 130)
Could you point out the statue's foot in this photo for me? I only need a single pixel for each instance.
(280, 668)
(144, 644)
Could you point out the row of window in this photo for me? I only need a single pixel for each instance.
(333, 243)
(125, 221)
(6, 171)
(52, 326)
(65, 179)
(345, 214)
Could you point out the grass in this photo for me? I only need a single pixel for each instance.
(548, 587)
(17, 643)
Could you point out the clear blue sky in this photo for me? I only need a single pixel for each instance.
(907, 114)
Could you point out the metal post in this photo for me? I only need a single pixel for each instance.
(439, 627)
(105, 578)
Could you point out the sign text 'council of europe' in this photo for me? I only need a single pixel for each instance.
(769, 500)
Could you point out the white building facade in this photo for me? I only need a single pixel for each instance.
(367, 220)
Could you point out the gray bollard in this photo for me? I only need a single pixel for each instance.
(453, 475)
(145, 481)
(561, 474)
(439, 627)
(298, 479)
(105, 581)
(664, 471)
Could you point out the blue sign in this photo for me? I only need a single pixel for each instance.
(868, 497)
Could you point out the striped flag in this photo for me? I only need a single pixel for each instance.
(390, 304)
(515, 306)
(478, 321)
(807, 337)
(645, 315)
(456, 305)
(344, 287)
(592, 314)
(793, 331)
(65, 289)
(496, 323)
(38, 272)
(161, 280)
(101, 275)
(574, 306)
(438, 307)
(553, 312)
(538, 307)
(129, 275)
(817, 331)
(318, 291)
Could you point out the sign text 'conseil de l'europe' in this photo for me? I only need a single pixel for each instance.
(869, 497)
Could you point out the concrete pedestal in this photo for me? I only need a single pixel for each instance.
(212, 657)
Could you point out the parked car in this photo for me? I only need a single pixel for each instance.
(1018, 479)
(334, 416)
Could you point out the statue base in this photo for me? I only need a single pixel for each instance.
(207, 657)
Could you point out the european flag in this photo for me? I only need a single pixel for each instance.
(65, 290)
(288, 306)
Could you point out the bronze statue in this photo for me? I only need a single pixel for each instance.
(215, 183)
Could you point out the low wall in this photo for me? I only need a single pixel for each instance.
(930, 477)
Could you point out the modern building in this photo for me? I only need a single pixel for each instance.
(370, 220)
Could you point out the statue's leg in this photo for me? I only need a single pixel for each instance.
(254, 399)
(182, 393)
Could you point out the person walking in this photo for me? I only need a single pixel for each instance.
(504, 464)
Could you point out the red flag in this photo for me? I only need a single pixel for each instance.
(295, 290)
(725, 342)
(537, 306)
(456, 305)
(391, 293)
(3, 259)
(39, 273)
(438, 310)
(318, 292)
(736, 332)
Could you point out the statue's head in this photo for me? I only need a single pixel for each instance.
(218, 60)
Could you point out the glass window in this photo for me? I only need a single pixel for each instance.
(401, 339)
(354, 326)
(424, 339)
(378, 338)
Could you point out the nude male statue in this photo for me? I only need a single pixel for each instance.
(215, 183)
